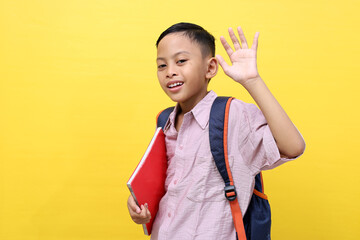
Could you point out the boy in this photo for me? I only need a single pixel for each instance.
(194, 206)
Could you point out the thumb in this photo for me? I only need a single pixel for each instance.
(133, 205)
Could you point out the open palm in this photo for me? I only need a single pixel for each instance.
(243, 59)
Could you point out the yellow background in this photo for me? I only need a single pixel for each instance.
(79, 96)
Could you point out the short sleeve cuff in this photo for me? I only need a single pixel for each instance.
(273, 158)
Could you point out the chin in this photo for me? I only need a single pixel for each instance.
(175, 97)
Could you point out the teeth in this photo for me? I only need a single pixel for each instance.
(175, 84)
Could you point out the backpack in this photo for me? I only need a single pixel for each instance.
(256, 223)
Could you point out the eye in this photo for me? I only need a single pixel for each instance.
(181, 61)
(161, 66)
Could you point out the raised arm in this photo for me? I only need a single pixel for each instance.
(244, 71)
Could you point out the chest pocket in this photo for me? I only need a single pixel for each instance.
(206, 184)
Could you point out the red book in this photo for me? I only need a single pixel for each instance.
(147, 183)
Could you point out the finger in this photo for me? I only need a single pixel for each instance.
(143, 212)
(227, 47)
(255, 42)
(132, 205)
(137, 209)
(234, 39)
(143, 217)
(222, 63)
(148, 213)
(242, 38)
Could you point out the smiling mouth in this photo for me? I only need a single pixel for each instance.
(175, 84)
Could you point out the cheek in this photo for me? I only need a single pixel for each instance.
(159, 77)
(161, 80)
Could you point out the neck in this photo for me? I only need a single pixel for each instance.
(191, 103)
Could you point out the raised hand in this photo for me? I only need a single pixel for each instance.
(243, 59)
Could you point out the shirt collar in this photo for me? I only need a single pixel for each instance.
(201, 111)
(171, 119)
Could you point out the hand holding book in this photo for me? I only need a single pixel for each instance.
(140, 215)
(147, 183)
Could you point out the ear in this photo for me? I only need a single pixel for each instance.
(212, 68)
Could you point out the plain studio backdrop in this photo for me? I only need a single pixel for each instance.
(79, 96)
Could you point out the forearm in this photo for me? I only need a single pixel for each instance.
(244, 71)
(287, 137)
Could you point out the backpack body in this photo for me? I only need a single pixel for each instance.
(256, 223)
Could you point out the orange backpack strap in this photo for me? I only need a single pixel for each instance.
(218, 129)
(256, 223)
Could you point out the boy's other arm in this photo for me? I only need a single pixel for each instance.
(244, 71)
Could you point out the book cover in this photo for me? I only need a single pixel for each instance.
(147, 183)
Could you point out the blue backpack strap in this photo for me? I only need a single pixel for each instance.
(216, 134)
(218, 126)
(163, 116)
(257, 220)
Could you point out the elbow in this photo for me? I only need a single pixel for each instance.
(295, 150)
(300, 148)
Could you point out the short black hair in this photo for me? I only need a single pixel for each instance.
(195, 33)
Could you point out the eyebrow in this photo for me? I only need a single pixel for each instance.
(178, 53)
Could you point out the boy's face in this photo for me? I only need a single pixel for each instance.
(182, 69)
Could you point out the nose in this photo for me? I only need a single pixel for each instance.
(171, 71)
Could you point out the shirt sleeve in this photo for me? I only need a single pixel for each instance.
(256, 142)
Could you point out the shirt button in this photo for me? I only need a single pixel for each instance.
(169, 215)
(175, 182)
(181, 147)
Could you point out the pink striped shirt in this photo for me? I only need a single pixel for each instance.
(194, 206)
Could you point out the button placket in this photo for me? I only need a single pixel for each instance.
(183, 133)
